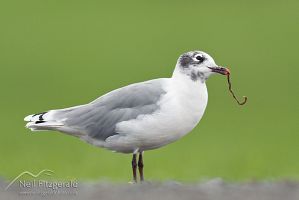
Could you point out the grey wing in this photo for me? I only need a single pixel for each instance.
(98, 119)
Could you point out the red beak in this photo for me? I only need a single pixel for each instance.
(220, 70)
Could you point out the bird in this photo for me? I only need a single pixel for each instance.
(141, 116)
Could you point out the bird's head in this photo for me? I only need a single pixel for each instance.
(198, 65)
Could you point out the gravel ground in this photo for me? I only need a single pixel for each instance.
(215, 189)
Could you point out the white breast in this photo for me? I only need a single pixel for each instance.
(181, 108)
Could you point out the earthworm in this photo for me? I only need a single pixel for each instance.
(232, 92)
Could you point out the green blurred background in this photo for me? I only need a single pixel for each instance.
(56, 54)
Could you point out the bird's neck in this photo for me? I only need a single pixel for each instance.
(184, 82)
(192, 94)
(182, 77)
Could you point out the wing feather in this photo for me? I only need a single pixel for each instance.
(98, 119)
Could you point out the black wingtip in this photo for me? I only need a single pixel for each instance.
(39, 122)
(40, 115)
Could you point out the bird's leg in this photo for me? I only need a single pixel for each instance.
(140, 167)
(134, 168)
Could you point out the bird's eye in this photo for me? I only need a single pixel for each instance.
(199, 58)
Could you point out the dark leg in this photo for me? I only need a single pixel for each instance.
(140, 167)
(134, 167)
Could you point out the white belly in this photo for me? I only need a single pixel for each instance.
(181, 108)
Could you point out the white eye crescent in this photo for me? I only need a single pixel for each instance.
(199, 58)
